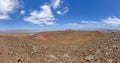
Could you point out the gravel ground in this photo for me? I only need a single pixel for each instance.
(104, 49)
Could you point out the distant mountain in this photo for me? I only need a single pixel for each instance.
(20, 31)
(108, 30)
(36, 31)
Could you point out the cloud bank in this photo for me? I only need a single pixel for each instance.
(114, 21)
(110, 21)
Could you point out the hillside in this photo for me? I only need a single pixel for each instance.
(66, 37)
(61, 47)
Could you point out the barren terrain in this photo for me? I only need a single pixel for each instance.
(61, 47)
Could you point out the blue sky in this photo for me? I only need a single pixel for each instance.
(59, 14)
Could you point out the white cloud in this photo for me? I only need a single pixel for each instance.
(73, 24)
(7, 7)
(104, 23)
(108, 23)
(63, 11)
(114, 21)
(4, 16)
(44, 16)
(89, 22)
(56, 3)
(22, 12)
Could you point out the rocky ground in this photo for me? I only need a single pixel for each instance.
(105, 48)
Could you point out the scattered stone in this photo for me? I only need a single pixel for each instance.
(98, 51)
(89, 57)
(20, 60)
(110, 60)
(66, 55)
(53, 57)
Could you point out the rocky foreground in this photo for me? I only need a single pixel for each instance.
(103, 47)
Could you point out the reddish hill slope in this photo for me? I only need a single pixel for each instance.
(66, 37)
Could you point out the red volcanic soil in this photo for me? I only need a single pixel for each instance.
(66, 37)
